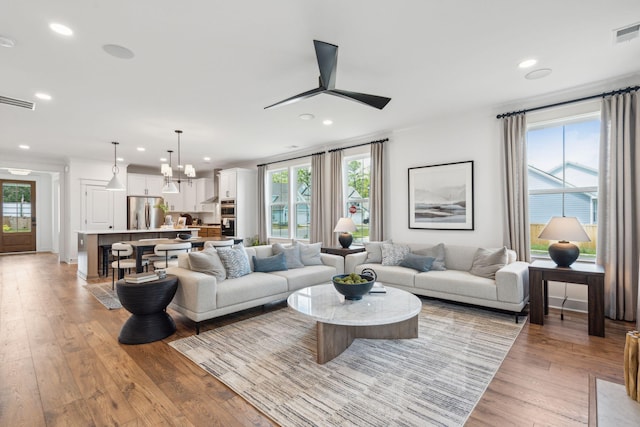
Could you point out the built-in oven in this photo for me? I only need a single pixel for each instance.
(228, 226)
(228, 209)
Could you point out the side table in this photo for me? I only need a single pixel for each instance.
(540, 272)
(147, 303)
(342, 251)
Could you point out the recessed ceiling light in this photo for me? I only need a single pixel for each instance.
(538, 74)
(7, 42)
(206, 159)
(43, 96)
(118, 51)
(306, 116)
(61, 29)
(120, 159)
(327, 122)
(22, 172)
(24, 146)
(141, 149)
(163, 159)
(527, 63)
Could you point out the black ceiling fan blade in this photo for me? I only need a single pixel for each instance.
(298, 97)
(327, 56)
(374, 101)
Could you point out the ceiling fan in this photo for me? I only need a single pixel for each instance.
(327, 55)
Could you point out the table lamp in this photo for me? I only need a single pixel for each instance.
(564, 229)
(345, 226)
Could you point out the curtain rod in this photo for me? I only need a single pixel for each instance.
(293, 158)
(359, 145)
(571, 101)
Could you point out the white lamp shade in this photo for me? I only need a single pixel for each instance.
(566, 228)
(165, 169)
(345, 225)
(115, 184)
(190, 171)
(170, 188)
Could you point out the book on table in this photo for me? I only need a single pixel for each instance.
(141, 277)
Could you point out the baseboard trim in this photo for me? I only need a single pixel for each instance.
(579, 306)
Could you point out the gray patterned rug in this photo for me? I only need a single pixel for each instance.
(104, 294)
(436, 379)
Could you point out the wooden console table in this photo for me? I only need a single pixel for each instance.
(540, 272)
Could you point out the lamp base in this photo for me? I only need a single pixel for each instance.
(564, 253)
(345, 240)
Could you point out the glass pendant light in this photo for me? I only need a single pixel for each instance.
(115, 184)
(169, 186)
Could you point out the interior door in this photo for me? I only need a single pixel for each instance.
(98, 208)
(18, 216)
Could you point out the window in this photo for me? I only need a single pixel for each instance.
(357, 182)
(290, 196)
(562, 158)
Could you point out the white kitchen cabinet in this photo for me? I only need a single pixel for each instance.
(228, 184)
(191, 196)
(144, 185)
(174, 201)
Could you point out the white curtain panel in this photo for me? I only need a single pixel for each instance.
(618, 247)
(262, 200)
(337, 205)
(317, 193)
(516, 192)
(376, 195)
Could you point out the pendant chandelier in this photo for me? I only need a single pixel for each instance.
(166, 169)
(115, 184)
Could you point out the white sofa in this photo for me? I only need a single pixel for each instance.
(509, 291)
(202, 297)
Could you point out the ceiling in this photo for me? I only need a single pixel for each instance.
(210, 67)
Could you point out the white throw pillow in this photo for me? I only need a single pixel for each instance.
(208, 262)
(394, 254)
(374, 251)
(291, 253)
(487, 261)
(309, 253)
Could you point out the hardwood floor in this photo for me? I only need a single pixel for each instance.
(61, 364)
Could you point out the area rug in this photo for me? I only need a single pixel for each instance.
(436, 379)
(104, 294)
(614, 407)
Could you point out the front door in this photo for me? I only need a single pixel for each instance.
(18, 216)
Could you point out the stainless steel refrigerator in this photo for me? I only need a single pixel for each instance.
(142, 213)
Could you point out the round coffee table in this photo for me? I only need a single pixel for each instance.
(393, 315)
(147, 303)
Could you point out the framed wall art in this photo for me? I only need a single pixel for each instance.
(441, 196)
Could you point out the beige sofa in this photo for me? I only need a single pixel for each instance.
(202, 297)
(509, 291)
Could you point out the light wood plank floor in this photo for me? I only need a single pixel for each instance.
(61, 364)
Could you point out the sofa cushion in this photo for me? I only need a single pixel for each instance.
(249, 287)
(420, 263)
(438, 253)
(309, 253)
(271, 263)
(299, 278)
(207, 262)
(291, 253)
(393, 254)
(458, 283)
(487, 261)
(374, 251)
(235, 261)
(391, 274)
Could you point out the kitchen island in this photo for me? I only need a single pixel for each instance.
(94, 245)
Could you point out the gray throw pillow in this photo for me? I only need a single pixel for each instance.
(393, 254)
(487, 261)
(291, 253)
(309, 253)
(420, 263)
(208, 262)
(374, 251)
(271, 263)
(235, 261)
(438, 253)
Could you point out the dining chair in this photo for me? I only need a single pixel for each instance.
(122, 252)
(217, 243)
(169, 252)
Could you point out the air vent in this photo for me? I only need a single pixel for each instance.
(626, 33)
(17, 102)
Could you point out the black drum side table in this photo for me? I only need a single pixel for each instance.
(147, 303)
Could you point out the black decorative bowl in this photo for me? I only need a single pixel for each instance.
(184, 236)
(355, 291)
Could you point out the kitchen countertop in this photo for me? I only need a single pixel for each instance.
(151, 230)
